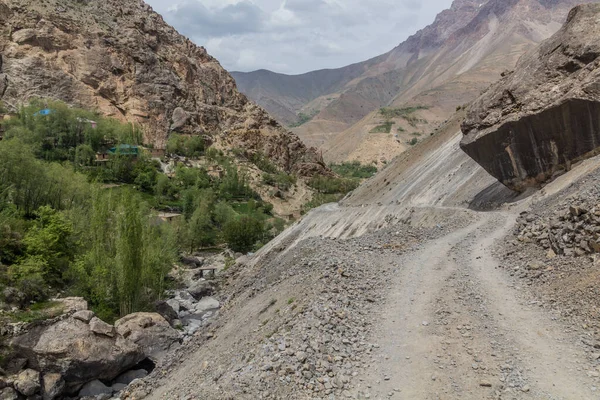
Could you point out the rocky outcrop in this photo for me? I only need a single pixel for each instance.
(121, 58)
(70, 348)
(78, 349)
(545, 115)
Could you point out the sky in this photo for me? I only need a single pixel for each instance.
(297, 36)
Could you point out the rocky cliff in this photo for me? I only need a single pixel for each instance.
(120, 58)
(545, 115)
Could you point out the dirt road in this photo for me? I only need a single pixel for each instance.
(455, 327)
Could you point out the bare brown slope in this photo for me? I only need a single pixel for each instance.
(468, 62)
(365, 85)
(122, 59)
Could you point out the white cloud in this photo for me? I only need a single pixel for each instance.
(296, 36)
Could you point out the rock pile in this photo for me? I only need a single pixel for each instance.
(571, 231)
(307, 314)
(75, 353)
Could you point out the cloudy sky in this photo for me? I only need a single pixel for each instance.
(296, 36)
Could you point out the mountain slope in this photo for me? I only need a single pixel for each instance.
(122, 59)
(441, 68)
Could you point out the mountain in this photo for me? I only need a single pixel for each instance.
(424, 79)
(123, 60)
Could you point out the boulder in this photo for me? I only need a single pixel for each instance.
(207, 304)
(28, 382)
(179, 118)
(70, 348)
(117, 387)
(166, 311)
(201, 289)
(53, 386)
(95, 388)
(150, 331)
(84, 315)
(129, 376)
(101, 328)
(545, 115)
(9, 394)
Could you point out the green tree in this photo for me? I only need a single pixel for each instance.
(242, 233)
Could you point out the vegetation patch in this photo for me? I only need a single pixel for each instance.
(383, 128)
(354, 169)
(86, 211)
(304, 118)
(404, 113)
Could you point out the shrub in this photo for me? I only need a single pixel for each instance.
(242, 233)
(383, 128)
(187, 146)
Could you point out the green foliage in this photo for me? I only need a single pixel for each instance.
(404, 113)
(243, 232)
(31, 183)
(413, 141)
(127, 255)
(319, 199)
(331, 185)
(235, 185)
(187, 146)
(354, 169)
(282, 180)
(400, 112)
(54, 137)
(383, 128)
(263, 163)
(303, 119)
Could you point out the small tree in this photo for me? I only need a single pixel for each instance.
(242, 233)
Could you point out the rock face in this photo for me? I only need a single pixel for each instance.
(69, 347)
(545, 115)
(150, 331)
(121, 58)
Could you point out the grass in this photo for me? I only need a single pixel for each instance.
(38, 312)
(383, 128)
(404, 113)
(303, 119)
(354, 170)
(400, 112)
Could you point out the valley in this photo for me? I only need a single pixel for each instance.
(429, 228)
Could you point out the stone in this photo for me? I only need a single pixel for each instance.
(53, 386)
(28, 382)
(201, 289)
(129, 376)
(9, 394)
(118, 387)
(179, 118)
(550, 102)
(69, 347)
(101, 328)
(150, 331)
(207, 304)
(95, 388)
(165, 309)
(84, 315)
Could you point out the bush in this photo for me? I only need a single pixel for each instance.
(186, 146)
(413, 141)
(354, 169)
(383, 128)
(242, 233)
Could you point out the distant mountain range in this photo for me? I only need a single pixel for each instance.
(422, 81)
